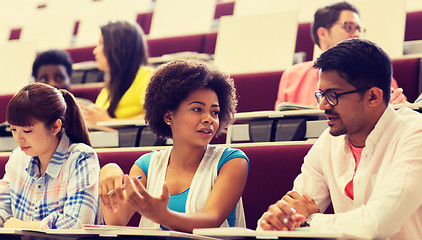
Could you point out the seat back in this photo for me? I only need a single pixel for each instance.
(257, 91)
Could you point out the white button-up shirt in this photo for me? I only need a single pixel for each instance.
(387, 185)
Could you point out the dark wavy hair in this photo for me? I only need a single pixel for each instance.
(326, 16)
(171, 83)
(126, 51)
(42, 102)
(361, 63)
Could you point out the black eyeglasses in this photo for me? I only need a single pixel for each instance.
(351, 27)
(332, 97)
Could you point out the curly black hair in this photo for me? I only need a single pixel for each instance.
(54, 57)
(172, 83)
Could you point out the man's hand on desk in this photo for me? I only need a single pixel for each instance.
(288, 213)
(303, 205)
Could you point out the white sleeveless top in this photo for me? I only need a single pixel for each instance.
(200, 188)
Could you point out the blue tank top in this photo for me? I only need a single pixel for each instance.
(178, 202)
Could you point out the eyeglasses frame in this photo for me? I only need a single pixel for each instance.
(320, 94)
(358, 27)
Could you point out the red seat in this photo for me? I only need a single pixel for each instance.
(271, 174)
(407, 72)
(89, 93)
(257, 91)
(304, 41)
(4, 101)
(413, 30)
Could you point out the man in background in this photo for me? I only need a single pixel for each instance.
(53, 67)
(332, 24)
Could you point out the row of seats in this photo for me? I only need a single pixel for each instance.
(206, 42)
(412, 30)
(258, 91)
(199, 43)
(269, 177)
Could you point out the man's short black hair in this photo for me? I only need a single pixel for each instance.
(361, 62)
(52, 57)
(327, 16)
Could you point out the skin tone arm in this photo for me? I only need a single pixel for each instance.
(226, 192)
(288, 213)
(397, 96)
(96, 114)
(115, 208)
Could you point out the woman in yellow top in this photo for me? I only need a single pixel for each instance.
(122, 54)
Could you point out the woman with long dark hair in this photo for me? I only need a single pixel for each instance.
(123, 55)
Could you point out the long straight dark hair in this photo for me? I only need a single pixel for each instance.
(126, 51)
(42, 102)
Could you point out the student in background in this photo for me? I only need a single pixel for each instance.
(332, 24)
(192, 184)
(368, 162)
(53, 67)
(123, 55)
(51, 179)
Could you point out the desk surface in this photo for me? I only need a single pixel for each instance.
(277, 114)
(98, 232)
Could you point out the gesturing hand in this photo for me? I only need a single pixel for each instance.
(154, 208)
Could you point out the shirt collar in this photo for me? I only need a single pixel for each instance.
(382, 124)
(56, 162)
(378, 130)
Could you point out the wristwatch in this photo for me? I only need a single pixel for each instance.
(307, 221)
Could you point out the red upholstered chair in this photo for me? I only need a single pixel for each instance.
(224, 9)
(257, 91)
(15, 34)
(407, 72)
(304, 41)
(81, 54)
(210, 41)
(413, 30)
(144, 20)
(4, 100)
(271, 174)
(89, 93)
(3, 161)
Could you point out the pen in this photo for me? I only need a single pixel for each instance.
(122, 187)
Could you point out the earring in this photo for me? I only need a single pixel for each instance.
(168, 123)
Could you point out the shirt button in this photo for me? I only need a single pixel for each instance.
(36, 208)
(39, 186)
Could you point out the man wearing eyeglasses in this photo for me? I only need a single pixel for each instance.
(332, 24)
(368, 163)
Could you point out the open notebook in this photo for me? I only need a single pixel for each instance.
(285, 106)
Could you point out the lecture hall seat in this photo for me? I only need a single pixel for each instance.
(257, 91)
(407, 73)
(4, 100)
(413, 30)
(271, 173)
